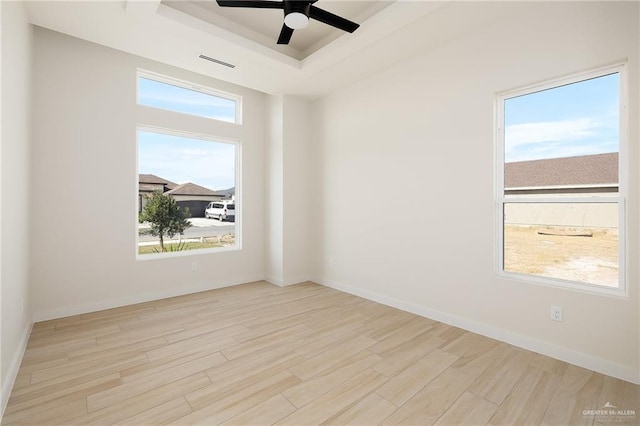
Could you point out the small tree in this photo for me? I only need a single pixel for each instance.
(165, 217)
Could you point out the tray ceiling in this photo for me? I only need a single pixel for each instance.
(263, 25)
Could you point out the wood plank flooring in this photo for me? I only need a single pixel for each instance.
(258, 354)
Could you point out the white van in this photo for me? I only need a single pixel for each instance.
(221, 210)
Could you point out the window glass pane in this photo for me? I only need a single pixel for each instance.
(569, 241)
(174, 98)
(564, 137)
(195, 176)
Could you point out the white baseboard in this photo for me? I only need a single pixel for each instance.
(12, 374)
(295, 280)
(286, 282)
(274, 280)
(563, 354)
(139, 298)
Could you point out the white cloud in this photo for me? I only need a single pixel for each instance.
(549, 131)
(193, 154)
(542, 151)
(211, 164)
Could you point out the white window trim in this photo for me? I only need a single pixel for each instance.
(149, 75)
(623, 253)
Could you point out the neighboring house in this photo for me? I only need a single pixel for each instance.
(194, 197)
(581, 176)
(189, 194)
(148, 184)
(585, 174)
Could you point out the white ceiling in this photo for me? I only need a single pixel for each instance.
(263, 25)
(317, 62)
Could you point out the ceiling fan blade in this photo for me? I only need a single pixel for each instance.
(285, 35)
(258, 4)
(333, 20)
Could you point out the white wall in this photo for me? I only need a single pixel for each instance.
(84, 184)
(288, 190)
(405, 179)
(274, 190)
(297, 190)
(16, 35)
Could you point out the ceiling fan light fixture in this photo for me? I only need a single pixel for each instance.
(296, 15)
(296, 20)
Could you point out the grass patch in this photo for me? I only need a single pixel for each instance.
(186, 246)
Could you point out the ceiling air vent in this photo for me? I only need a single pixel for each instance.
(217, 61)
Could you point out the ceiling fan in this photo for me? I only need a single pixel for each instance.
(296, 15)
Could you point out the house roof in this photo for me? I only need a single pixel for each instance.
(190, 188)
(227, 192)
(584, 170)
(153, 179)
(150, 187)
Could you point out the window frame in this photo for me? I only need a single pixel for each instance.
(501, 199)
(237, 200)
(175, 123)
(149, 75)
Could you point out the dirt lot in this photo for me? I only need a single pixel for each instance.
(578, 258)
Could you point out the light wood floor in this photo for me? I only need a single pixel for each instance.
(260, 354)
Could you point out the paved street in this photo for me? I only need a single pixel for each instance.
(201, 228)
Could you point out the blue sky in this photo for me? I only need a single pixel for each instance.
(162, 95)
(577, 119)
(181, 160)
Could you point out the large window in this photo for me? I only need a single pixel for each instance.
(188, 198)
(561, 182)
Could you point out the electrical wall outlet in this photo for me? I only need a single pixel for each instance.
(194, 267)
(556, 313)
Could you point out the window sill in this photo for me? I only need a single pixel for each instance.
(616, 292)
